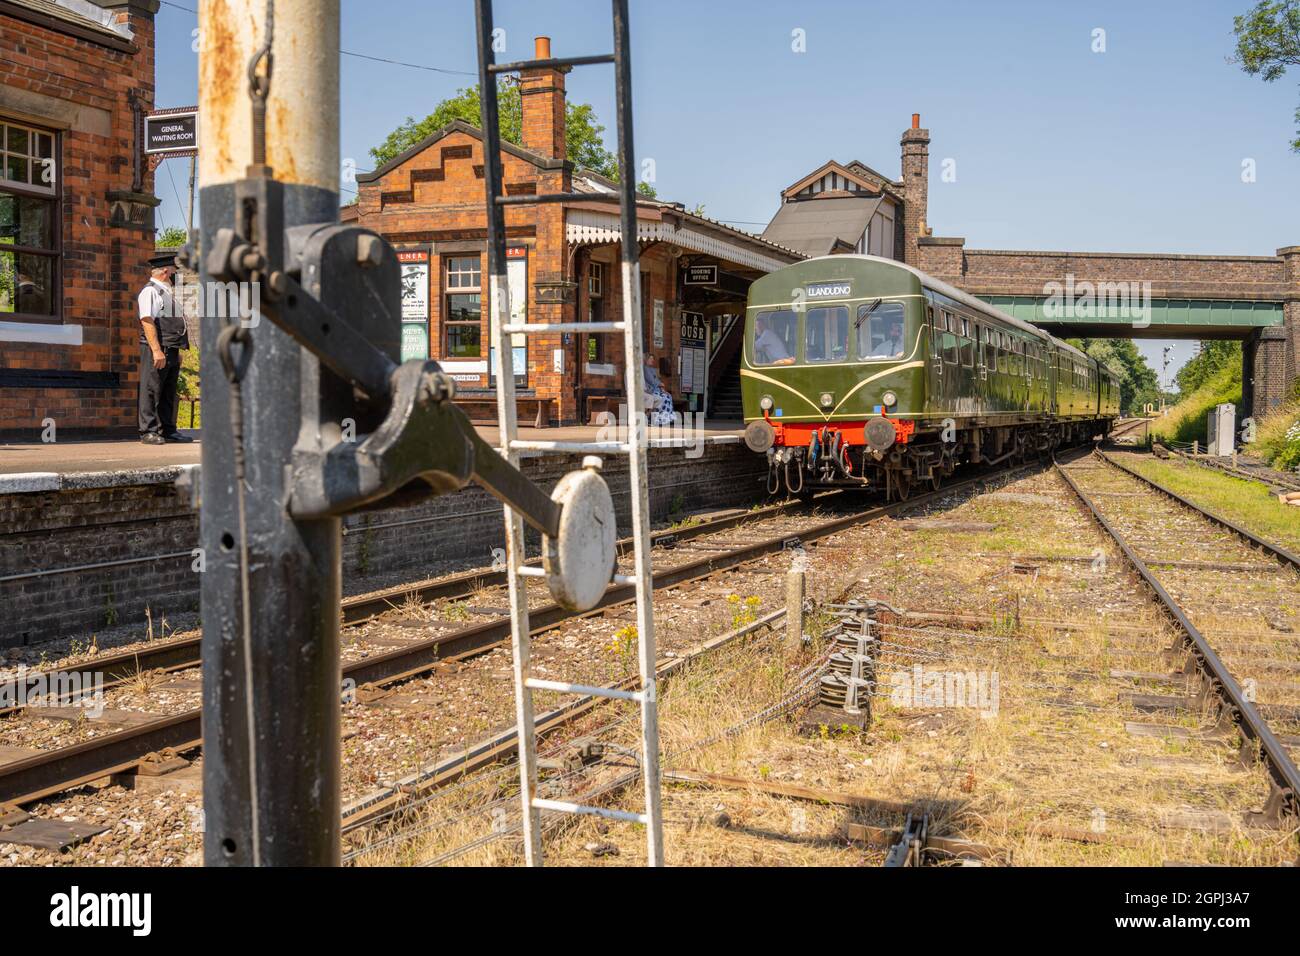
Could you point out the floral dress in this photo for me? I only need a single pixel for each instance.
(658, 403)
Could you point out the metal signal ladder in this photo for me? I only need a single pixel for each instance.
(511, 445)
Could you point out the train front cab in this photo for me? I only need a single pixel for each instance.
(833, 369)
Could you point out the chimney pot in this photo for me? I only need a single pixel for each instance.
(916, 121)
(542, 48)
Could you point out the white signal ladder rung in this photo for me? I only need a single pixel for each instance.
(561, 806)
(523, 328)
(574, 447)
(565, 687)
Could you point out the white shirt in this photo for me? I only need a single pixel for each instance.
(155, 300)
(888, 349)
(770, 345)
(156, 303)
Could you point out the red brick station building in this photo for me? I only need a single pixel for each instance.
(77, 76)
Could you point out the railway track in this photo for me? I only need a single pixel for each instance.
(183, 653)
(1089, 748)
(679, 562)
(1246, 469)
(1207, 576)
(1126, 428)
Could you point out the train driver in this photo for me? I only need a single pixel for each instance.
(892, 344)
(769, 348)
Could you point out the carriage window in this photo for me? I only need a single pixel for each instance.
(826, 334)
(880, 331)
(967, 349)
(774, 337)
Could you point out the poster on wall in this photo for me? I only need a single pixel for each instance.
(659, 323)
(694, 337)
(415, 303)
(415, 285)
(517, 284)
(415, 340)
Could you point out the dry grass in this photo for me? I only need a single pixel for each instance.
(1054, 754)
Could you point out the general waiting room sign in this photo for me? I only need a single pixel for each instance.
(172, 132)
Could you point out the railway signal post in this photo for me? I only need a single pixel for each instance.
(271, 584)
(313, 417)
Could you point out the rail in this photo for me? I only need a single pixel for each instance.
(1238, 708)
(49, 772)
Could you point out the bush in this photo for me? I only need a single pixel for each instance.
(1186, 421)
(1277, 438)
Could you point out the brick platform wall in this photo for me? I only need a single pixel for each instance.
(48, 531)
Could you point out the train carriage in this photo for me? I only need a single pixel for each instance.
(862, 371)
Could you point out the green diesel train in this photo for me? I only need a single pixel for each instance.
(860, 371)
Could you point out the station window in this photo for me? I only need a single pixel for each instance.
(29, 256)
(880, 331)
(775, 337)
(826, 334)
(463, 320)
(595, 347)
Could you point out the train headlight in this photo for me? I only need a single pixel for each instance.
(889, 399)
(827, 400)
(765, 403)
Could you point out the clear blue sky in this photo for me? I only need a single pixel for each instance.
(1139, 148)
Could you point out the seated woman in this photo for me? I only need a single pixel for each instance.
(658, 403)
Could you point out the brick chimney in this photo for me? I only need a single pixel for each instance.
(542, 97)
(916, 179)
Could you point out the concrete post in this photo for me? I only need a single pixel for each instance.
(270, 791)
(795, 584)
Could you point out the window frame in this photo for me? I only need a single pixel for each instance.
(794, 347)
(595, 313)
(829, 317)
(448, 292)
(951, 324)
(52, 195)
(861, 322)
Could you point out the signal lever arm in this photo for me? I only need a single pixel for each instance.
(423, 435)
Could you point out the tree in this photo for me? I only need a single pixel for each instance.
(1268, 41)
(1206, 363)
(1138, 383)
(582, 131)
(171, 237)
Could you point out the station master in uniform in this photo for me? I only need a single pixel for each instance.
(162, 336)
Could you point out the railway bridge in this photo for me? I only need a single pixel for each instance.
(850, 207)
(1255, 299)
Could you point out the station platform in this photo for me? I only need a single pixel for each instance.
(99, 534)
(35, 466)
